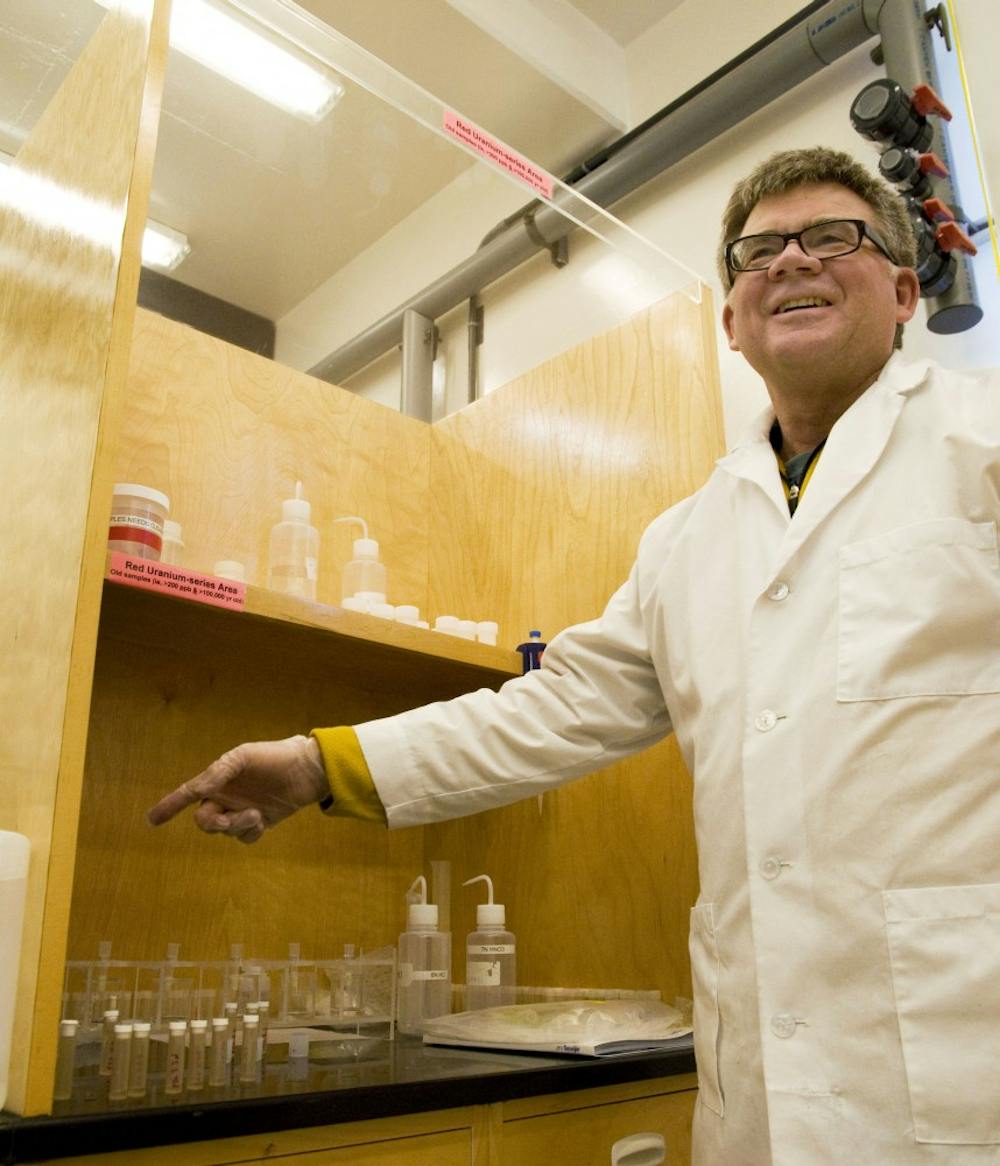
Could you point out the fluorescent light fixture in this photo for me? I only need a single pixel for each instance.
(163, 248)
(44, 201)
(246, 53)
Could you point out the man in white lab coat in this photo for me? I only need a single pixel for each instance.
(820, 626)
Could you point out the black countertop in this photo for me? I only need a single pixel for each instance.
(406, 1077)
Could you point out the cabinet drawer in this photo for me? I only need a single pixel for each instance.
(585, 1136)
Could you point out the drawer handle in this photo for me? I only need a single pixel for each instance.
(639, 1150)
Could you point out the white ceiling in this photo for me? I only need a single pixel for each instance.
(274, 206)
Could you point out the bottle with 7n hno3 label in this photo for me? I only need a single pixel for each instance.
(424, 989)
(490, 955)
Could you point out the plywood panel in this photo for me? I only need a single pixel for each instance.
(226, 434)
(70, 225)
(547, 484)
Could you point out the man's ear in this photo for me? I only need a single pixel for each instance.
(727, 323)
(907, 293)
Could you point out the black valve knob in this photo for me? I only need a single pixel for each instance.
(883, 113)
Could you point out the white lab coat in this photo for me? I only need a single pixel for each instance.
(834, 684)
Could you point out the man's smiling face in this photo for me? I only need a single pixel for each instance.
(802, 313)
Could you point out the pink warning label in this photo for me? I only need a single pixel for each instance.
(480, 141)
(155, 576)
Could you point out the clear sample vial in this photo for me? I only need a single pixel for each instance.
(218, 1058)
(264, 1012)
(232, 1022)
(65, 1060)
(176, 1038)
(248, 1050)
(138, 1065)
(121, 1053)
(196, 1055)
(108, 1040)
(172, 551)
(349, 992)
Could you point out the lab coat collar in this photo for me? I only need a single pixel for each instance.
(855, 443)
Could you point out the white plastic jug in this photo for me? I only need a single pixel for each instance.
(13, 884)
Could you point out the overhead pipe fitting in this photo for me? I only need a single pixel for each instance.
(815, 37)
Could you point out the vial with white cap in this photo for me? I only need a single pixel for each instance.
(364, 576)
(293, 552)
(424, 989)
(490, 955)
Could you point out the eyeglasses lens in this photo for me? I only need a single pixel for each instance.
(822, 240)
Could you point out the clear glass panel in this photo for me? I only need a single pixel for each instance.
(39, 41)
(324, 225)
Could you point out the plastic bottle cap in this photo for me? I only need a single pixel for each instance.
(296, 510)
(467, 629)
(446, 623)
(365, 548)
(178, 1025)
(68, 1027)
(132, 490)
(220, 1022)
(251, 1019)
(230, 569)
(407, 613)
(491, 915)
(384, 610)
(198, 1025)
(111, 1014)
(423, 915)
(141, 1028)
(123, 1030)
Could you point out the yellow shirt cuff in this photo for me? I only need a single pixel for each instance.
(351, 785)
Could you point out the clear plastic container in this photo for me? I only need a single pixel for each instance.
(14, 850)
(293, 552)
(65, 1060)
(172, 551)
(218, 1059)
(490, 956)
(176, 1041)
(137, 517)
(138, 1068)
(107, 1040)
(424, 989)
(121, 1054)
(196, 1055)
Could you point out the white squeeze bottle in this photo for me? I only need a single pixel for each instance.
(14, 850)
(293, 553)
(490, 955)
(424, 965)
(364, 575)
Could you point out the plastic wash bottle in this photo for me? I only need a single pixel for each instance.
(364, 575)
(293, 552)
(424, 988)
(532, 651)
(490, 955)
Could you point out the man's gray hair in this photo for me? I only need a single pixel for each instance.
(791, 169)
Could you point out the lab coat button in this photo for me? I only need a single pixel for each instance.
(778, 591)
(770, 867)
(765, 720)
(783, 1025)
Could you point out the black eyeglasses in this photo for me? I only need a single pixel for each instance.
(821, 240)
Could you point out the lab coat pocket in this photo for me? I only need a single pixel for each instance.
(944, 948)
(919, 612)
(705, 1021)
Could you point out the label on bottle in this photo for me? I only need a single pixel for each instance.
(151, 575)
(490, 949)
(408, 974)
(482, 973)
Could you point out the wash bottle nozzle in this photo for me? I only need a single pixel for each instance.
(364, 547)
(296, 509)
(420, 913)
(488, 914)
